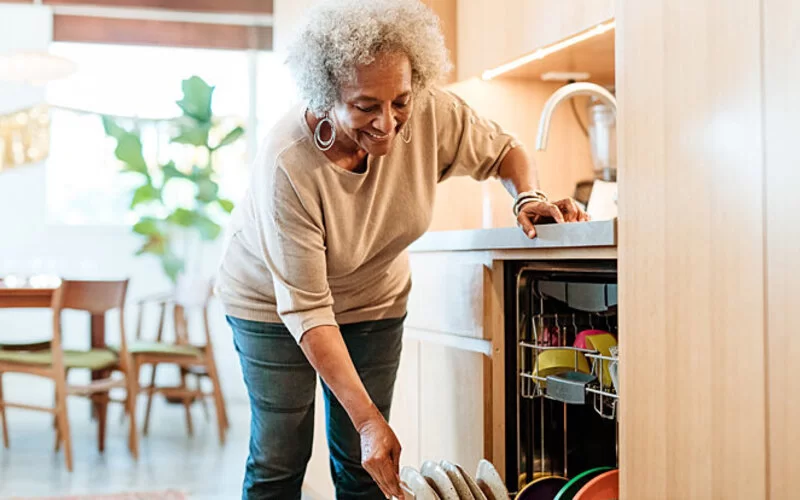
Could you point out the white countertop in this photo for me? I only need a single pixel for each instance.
(549, 236)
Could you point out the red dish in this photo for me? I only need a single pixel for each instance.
(603, 487)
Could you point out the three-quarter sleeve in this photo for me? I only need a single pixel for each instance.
(293, 246)
(468, 144)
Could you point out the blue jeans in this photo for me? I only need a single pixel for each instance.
(281, 384)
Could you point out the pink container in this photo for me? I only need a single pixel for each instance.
(580, 339)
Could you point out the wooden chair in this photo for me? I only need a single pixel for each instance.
(191, 359)
(95, 297)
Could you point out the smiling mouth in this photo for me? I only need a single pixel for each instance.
(376, 137)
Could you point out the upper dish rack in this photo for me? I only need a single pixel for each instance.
(547, 348)
(563, 387)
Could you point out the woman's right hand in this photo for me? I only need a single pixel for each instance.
(380, 454)
(380, 451)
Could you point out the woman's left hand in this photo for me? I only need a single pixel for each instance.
(538, 212)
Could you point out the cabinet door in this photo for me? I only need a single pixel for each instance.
(490, 35)
(692, 361)
(447, 295)
(453, 422)
(405, 406)
(547, 22)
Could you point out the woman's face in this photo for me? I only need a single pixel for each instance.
(374, 107)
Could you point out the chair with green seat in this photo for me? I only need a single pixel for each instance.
(192, 359)
(95, 297)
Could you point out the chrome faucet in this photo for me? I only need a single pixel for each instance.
(567, 91)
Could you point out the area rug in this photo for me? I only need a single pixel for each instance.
(151, 495)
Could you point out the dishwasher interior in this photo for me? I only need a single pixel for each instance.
(561, 375)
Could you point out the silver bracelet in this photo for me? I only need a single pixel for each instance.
(526, 197)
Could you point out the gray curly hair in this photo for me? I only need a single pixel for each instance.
(341, 34)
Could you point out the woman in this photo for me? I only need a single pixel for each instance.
(315, 277)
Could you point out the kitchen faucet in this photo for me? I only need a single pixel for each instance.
(565, 92)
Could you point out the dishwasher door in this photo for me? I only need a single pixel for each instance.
(561, 403)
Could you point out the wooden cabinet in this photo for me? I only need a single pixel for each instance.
(453, 414)
(450, 398)
(492, 33)
(405, 417)
(707, 302)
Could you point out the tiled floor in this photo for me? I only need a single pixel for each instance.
(198, 466)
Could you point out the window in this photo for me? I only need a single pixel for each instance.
(84, 185)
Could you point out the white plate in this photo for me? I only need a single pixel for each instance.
(490, 482)
(437, 478)
(473, 486)
(462, 488)
(417, 484)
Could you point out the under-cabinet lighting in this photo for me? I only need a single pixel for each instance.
(550, 49)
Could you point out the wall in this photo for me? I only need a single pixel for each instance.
(515, 105)
(94, 252)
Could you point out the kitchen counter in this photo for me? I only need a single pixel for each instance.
(578, 235)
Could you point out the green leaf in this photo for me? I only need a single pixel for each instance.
(145, 194)
(129, 151)
(146, 226)
(208, 229)
(232, 136)
(172, 266)
(112, 128)
(195, 134)
(196, 100)
(207, 190)
(199, 174)
(170, 171)
(226, 205)
(182, 217)
(156, 244)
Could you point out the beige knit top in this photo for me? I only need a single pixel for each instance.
(313, 244)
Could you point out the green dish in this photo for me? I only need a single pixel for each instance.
(572, 488)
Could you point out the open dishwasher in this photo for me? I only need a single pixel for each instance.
(561, 374)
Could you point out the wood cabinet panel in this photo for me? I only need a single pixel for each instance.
(447, 295)
(548, 22)
(782, 106)
(452, 405)
(447, 12)
(405, 406)
(691, 286)
(490, 34)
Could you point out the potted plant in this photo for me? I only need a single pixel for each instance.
(174, 229)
